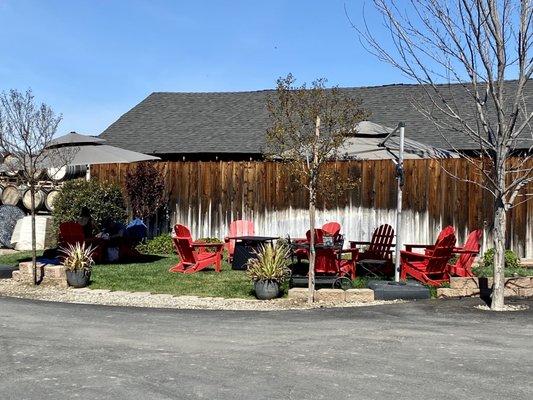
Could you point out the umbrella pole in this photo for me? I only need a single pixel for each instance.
(399, 178)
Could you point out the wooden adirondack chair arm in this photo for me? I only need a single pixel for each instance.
(203, 244)
(410, 247)
(358, 243)
(408, 254)
(460, 250)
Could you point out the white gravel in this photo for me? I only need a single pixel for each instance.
(10, 288)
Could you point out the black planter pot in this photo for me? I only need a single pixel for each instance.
(266, 290)
(79, 278)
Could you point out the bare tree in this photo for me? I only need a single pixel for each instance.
(477, 45)
(308, 129)
(26, 129)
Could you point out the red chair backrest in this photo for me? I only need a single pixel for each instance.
(445, 232)
(239, 228)
(183, 243)
(71, 233)
(442, 252)
(471, 244)
(319, 236)
(381, 242)
(332, 229)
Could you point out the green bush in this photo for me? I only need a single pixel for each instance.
(511, 259)
(512, 265)
(161, 244)
(102, 199)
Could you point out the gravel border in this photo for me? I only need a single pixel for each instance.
(10, 288)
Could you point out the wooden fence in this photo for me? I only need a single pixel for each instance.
(207, 196)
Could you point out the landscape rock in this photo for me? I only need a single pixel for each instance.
(359, 295)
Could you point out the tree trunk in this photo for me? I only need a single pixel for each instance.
(498, 234)
(33, 235)
(312, 251)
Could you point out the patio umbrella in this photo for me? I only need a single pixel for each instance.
(377, 142)
(76, 149)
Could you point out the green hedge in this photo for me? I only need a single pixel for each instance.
(102, 199)
(161, 244)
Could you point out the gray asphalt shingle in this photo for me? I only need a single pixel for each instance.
(235, 122)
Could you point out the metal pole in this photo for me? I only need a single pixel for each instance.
(399, 177)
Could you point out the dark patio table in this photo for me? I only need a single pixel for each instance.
(245, 248)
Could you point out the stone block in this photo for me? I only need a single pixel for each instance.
(298, 293)
(359, 295)
(519, 282)
(525, 292)
(55, 271)
(330, 295)
(463, 283)
(16, 276)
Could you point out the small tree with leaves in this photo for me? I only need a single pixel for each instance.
(478, 45)
(26, 129)
(309, 125)
(145, 188)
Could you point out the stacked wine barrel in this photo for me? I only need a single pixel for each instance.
(14, 191)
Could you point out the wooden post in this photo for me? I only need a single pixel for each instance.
(312, 216)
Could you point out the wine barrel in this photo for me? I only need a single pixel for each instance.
(50, 199)
(40, 195)
(11, 195)
(66, 172)
(11, 163)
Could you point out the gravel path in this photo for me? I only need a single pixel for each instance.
(10, 288)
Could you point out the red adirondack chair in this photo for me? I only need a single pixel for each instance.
(469, 251)
(428, 248)
(72, 233)
(194, 255)
(329, 261)
(431, 269)
(237, 228)
(332, 229)
(379, 247)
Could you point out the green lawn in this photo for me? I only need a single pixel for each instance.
(152, 275)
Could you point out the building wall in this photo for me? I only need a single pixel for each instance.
(207, 196)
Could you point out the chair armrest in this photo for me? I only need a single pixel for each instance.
(463, 251)
(409, 254)
(409, 247)
(202, 244)
(354, 243)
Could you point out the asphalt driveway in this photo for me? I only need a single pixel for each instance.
(422, 350)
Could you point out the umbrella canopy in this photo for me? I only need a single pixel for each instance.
(73, 138)
(372, 142)
(76, 149)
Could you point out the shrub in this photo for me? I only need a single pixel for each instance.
(511, 259)
(145, 189)
(161, 244)
(270, 265)
(102, 199)
(78, 257)
(512, 265)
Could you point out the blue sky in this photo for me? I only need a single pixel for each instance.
(93, 60)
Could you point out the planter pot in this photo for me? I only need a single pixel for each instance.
(78, 279)
(265, 290)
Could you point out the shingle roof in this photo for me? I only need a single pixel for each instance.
(235, 122)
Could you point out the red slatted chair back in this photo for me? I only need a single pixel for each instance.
(381, 242)
(438, 261)
(326, 262)
(332, 229)
(239, 228)
(71, 233)
(319, 236)
(471, 244)
(183, 244)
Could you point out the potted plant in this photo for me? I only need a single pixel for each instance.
(78, 262)
(269, 270)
